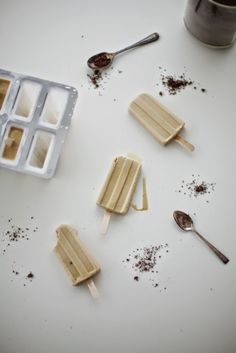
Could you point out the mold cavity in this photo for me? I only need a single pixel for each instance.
(41, 146)
(27, 98)
(55, 105)
(12, 143)
(4, 85)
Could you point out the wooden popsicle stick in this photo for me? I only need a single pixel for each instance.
(92, 288)
(105, 222)
(185, 144)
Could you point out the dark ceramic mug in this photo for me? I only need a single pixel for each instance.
(212, 21)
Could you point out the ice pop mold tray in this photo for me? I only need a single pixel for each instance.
(35, 115)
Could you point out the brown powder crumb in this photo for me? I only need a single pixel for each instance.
(161, 93)
(136, 278)
(201, 188)
(95, 78)
(30, 275)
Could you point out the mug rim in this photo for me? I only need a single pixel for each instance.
(223, 5)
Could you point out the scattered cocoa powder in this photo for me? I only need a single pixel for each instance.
(176, 83)
(144, 260)
(147, 260)
(14, 233)
(98, 79)
(95, 78)
(196, 187)
(20, 274)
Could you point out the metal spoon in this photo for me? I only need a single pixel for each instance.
(103, 60)
(185, 222)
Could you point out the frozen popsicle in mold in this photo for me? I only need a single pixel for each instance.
(4, 85)
(55, 105)
(78, 263)
(119, 187)
(160, 122)
(40, 149)
(27, 99)
(12, 143)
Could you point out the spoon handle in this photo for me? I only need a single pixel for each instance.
(149, 39)
(213, 248)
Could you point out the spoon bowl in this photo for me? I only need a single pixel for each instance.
(183, 220)
(100, 61)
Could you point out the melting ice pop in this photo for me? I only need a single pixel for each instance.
(119, 187)
(160, 122)
(78, 263)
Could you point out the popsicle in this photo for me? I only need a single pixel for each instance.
(78, 263)
(159, 121)
(4, 84)
(119, 187)
(42, 143)
(12, 143)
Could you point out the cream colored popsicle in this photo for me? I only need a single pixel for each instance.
(119, 187)
(78, 263)
(42, 143)
(12, 143)
(4, 84)
(160, 122)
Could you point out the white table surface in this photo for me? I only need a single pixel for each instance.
(196, 312)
